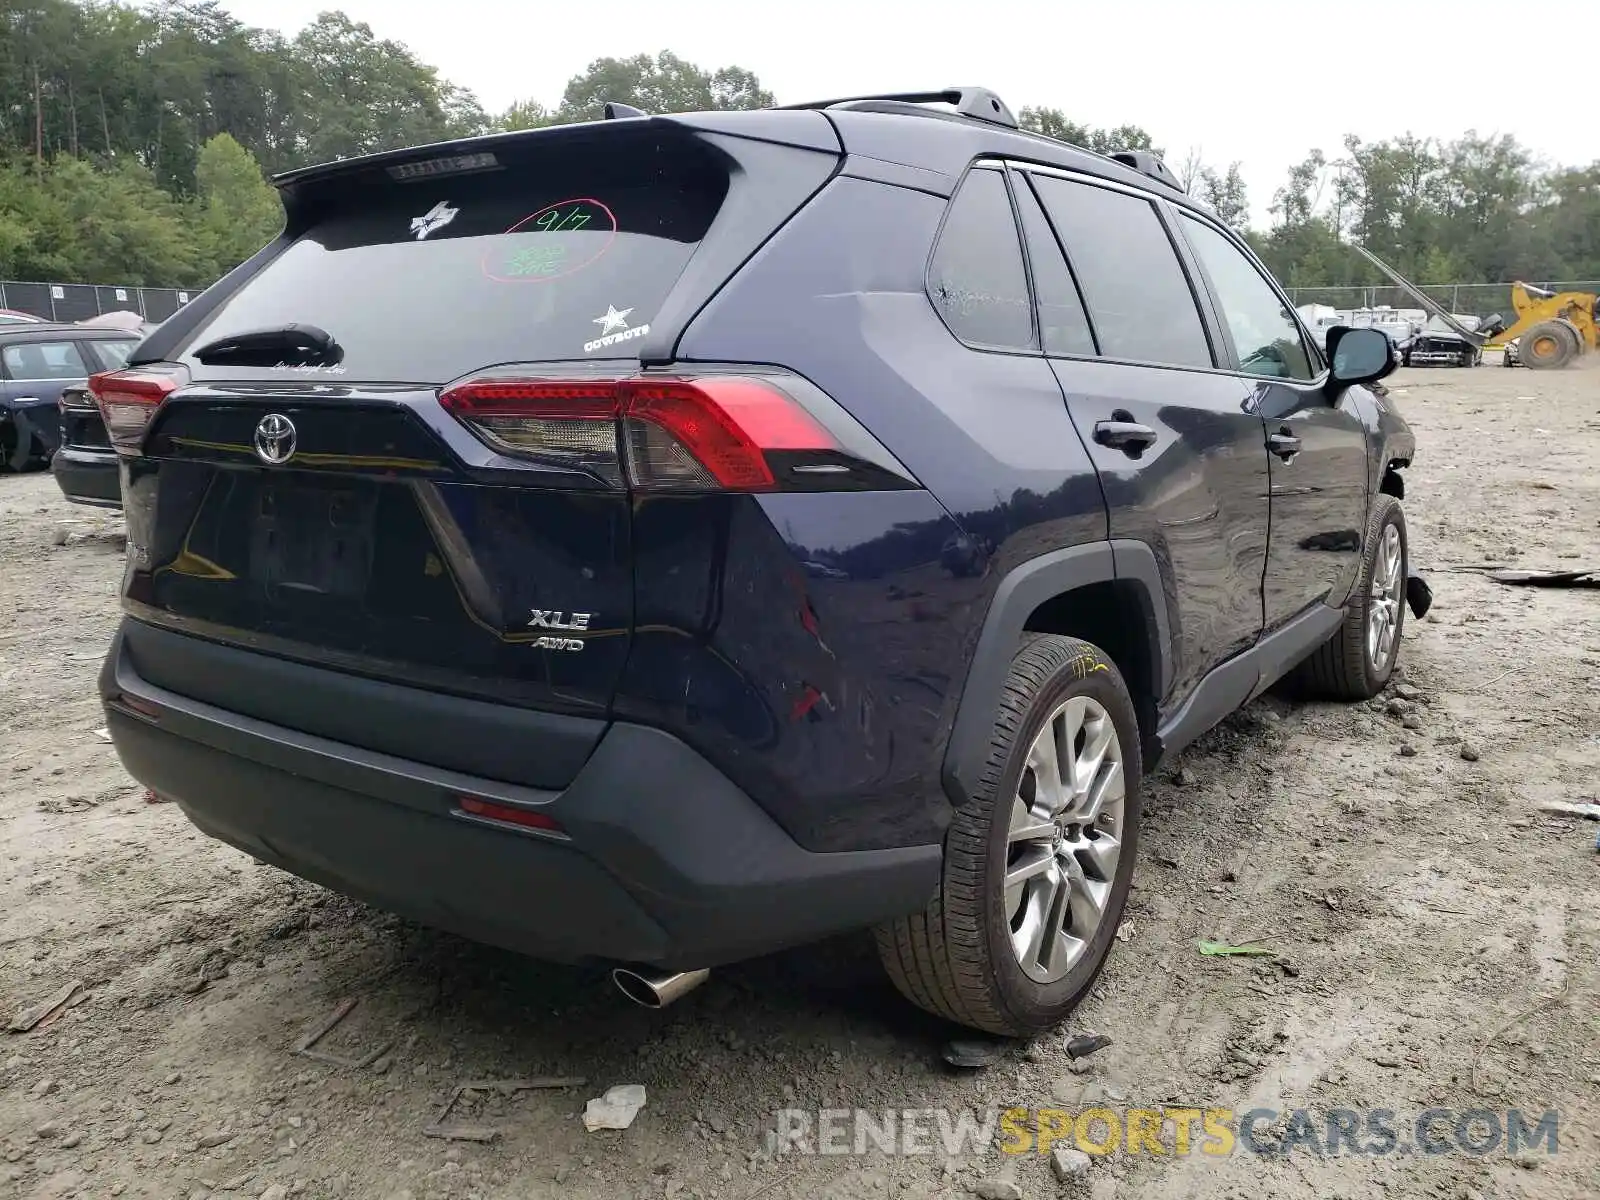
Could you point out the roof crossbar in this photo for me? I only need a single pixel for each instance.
(978, 103)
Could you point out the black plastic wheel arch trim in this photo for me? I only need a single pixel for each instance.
(1022, 591)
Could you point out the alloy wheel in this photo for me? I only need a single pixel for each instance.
(1383, 606)
(1064, 839)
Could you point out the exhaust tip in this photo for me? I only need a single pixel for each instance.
(636, 987)
(657, 989)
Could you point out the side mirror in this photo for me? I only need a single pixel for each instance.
(1359, 355)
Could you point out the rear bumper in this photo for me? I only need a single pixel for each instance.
(666, 861)
(88, 476)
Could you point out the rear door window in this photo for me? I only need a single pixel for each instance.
(1133, 283)
(977, 279)
(43, 361)
(555, 257)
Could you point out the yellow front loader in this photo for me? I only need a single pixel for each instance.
(1551, 328)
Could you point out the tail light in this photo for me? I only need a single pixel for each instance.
(129, 398)
(570, 425)
(706, 432)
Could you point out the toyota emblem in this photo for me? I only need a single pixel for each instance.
(275, 439)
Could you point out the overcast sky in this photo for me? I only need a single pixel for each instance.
(1249, 80)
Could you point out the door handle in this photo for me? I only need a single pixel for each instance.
(1284, 444)
(1127, 435)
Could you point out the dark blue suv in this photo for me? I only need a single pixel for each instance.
(668, 539)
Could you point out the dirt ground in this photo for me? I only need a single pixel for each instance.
(1439, 934)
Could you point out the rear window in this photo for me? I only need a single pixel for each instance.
(555, 258)
(977, 278)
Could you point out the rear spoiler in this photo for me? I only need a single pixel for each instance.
(302, 189)
(455, 147)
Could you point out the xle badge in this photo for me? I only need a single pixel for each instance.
(575, 622)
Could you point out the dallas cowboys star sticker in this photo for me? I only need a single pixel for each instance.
(613, 320)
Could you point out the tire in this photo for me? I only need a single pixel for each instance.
(1343, 668)
(23, 450)
(1548, 345)
(957, 958)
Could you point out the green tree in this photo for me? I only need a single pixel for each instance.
(1225, 194)
(1309, 254)
(1562, 239)
(1395, 186)
(33, 243)
(41, 59)
(525, 114)
(663, 84)
(1297, 199)
(1052, 122)
(1494, 210)
(214, 74)
(74, 222)
(239, 211)
(362, 94)
(112, 168)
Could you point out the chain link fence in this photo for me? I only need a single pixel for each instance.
(1471, 299)
(78, 301)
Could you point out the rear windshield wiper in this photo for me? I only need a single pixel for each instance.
(291, 345)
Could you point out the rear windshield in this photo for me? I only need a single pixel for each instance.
(422, 282)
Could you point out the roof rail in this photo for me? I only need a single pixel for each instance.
(1146, 163)
(981, 104)
(978, 103)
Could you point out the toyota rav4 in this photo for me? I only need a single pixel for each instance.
(667, 539)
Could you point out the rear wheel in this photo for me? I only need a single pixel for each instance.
(1039, 859)
(1547, 345)
(14, 448)
(1355, 664)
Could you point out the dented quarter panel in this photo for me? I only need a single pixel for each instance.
(799, 642)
